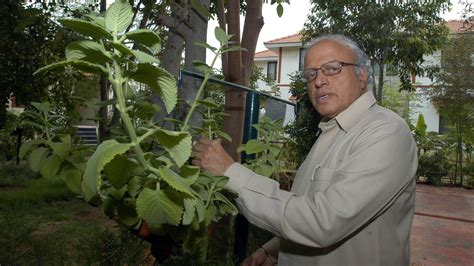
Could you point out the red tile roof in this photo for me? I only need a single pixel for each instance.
(453, 25)
(286, 39)
(266, 53)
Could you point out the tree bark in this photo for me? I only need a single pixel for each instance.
(234, 99)
(103, 110)
(239, 67)
(104, 96)
(380, 83)
(190, 86)
(222, 23)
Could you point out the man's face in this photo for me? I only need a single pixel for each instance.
(330, 95)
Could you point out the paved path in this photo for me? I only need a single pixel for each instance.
(443, 227)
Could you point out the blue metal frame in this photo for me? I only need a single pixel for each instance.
(252, 111)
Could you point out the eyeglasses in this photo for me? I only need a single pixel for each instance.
(329, 69)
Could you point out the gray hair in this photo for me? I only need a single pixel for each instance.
(361, 58)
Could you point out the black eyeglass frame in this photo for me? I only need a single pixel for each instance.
(325, 70)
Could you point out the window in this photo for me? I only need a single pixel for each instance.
(302, 54)
(272, 70)
(443, 124)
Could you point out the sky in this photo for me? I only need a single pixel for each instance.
(294, 16)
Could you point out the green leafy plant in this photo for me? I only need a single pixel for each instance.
(54, 156)
(304, 130)
(8, 138)
(268, 150)
(134, 184)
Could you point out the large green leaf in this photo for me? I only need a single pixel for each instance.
(178, 144)
(86, 28)
(175, 181)
(143, 57)
(61, 149)
(127, 214)
(43, 107)
(72, 178)
(189, 210)
(135, 185)
(100, 21)
(116, 193)
(122, 48)
(36, 157)
(118, 16)
(190, 172)
(159, 207)
(221, 36)
(105, 152)
(145, 37)
(118, 170)
(49, 167)
(26, 146)
(160, 81)
(254, 146)
(79, 64)
(264, 169)
(88, 51)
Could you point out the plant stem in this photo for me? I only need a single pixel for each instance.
(118, 82)
(198, 94)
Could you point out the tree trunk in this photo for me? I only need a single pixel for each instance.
(222, 23)
(374, 86)
(103, 110)
(190, 86)
(104, 96)
(239, 67)
(234, 99)
(171, 61)
(380, 83)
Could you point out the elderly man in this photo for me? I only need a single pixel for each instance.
(353, 198)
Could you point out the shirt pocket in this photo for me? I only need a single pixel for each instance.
(321, 178)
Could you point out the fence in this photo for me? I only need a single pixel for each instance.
(252, 113)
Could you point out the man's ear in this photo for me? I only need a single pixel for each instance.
(363, 78)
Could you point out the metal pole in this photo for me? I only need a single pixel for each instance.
(241, 224)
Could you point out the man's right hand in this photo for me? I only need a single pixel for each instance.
(258, 258)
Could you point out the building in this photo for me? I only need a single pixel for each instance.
(285, 56)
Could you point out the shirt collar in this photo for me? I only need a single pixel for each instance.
(347, 119)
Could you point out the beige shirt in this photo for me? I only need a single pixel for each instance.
(352, 200)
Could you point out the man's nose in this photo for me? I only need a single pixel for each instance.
(320, 80)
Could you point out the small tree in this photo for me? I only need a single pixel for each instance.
(397, 32)
(453, 92)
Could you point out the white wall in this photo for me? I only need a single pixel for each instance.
(425, 106)
(289, 63)
(261, 84)
(428, 111)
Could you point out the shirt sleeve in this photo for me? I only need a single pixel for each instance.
(381, 164)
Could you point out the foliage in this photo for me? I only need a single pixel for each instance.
(8, 139)
(133, 184)
(304, 130)
(42, 223)
(268, 149)
(453, 91)
(54, 156)
(434, 155)
(433, 165)
(396, 32)
(420, 129)
(30, 39)
(399, 101)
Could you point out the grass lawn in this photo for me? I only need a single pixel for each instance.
(42, 223)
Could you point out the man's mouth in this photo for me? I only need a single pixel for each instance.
(323, 97)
